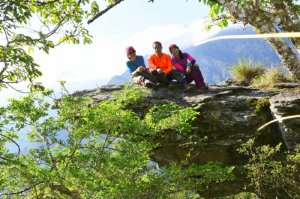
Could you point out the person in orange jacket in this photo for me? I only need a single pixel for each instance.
(162, 68)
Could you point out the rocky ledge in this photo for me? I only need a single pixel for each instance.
(227, 115)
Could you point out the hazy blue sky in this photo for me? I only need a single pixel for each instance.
(132, 16)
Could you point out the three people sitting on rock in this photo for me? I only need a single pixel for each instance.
(162, 70)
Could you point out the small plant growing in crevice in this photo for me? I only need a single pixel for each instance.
(211, 121)
(261, 104)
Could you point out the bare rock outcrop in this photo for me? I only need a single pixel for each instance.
(287, 104)
(227, 115)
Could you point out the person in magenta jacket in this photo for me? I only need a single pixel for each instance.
(186, 64)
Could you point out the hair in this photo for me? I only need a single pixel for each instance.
(180, 54)
(157, 42)
(129, 57)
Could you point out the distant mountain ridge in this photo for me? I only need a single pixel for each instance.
(216, 57)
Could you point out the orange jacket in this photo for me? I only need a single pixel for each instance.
(164, 63)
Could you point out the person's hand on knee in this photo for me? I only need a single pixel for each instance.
(160, 71)
(141, 69)
(188, 69)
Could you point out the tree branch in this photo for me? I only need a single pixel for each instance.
(5, 57)
(104, 11)
(19, 151)
(64, 190)
(21, 191)
(42, 3)
(20, 91)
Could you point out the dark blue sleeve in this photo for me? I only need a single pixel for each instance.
(130, 67)
(141, 61)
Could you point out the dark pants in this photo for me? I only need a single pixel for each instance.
(148, 75)
(167, 79)
(161, 78)
(195, 75)
(176, 75)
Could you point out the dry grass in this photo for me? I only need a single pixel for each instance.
(270, 77)
(246, 70)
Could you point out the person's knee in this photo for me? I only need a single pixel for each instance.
(137, 79)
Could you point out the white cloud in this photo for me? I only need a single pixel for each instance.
(79, 63)
(183, 35)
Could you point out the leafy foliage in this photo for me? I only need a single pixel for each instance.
(88, 150)
(169, 116)
(270, 177)
(130, 96)
(220, 7)
(42, 25)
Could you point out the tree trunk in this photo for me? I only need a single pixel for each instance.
(291, 23)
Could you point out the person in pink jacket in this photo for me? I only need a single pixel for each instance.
(186, 64)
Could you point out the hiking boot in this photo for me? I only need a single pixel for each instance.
(150, 84)
(187, 88)
(203, 87)
(161, 85)
(172, 86)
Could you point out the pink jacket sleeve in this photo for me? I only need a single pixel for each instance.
(178, 66)
(192, 59)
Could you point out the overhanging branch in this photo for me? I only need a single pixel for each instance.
(21, 191)
(104, 11)
(12, 140)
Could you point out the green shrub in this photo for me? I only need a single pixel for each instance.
(95, 150)
(246, 70)
(271, 77)
(269, 176)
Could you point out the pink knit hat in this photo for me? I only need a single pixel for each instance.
(173, 46)
(129, 49)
